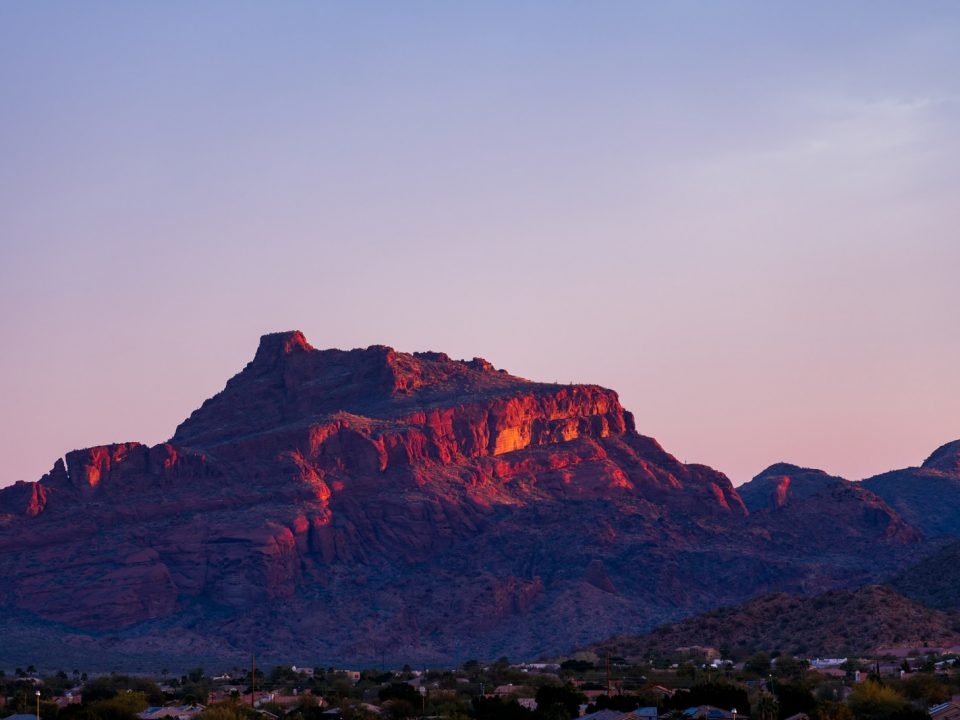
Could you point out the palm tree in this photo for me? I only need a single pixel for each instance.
(767, 707)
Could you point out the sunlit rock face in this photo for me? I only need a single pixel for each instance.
(350, 505)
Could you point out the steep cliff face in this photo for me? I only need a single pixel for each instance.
(350, 504)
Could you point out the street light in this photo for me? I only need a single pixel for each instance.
(38, 705)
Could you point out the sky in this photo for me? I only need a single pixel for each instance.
(742, 216)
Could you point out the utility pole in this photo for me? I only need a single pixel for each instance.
(253, 681)
(608, 674)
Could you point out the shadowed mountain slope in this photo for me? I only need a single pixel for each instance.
(928, 497)
(834, 623)
(935, 581)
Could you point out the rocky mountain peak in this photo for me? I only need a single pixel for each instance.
(290, 381)
(945, 458)
(275, 345)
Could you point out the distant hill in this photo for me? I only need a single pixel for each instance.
(837, 622)
(927, 497)
(934, 582)
(823, 514)
(782, 483)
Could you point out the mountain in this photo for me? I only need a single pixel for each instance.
(782, 483)
(822, 512)
(934, 581)
(928, 497)
(834, 623)
(370, 504)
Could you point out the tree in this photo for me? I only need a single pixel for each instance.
(577, 666)
(789, 667)
(400, 691)
(398, 709)
(794, 699)
(123, 706)
(766, 707)
(872, 701)
(758, 663)
(108, 686)
(829, 710)
(499, 709)
(566, 697)
(926, 688)
(229, 710)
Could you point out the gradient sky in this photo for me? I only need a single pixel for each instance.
(743, 216)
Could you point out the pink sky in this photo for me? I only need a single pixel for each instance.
(743, 219)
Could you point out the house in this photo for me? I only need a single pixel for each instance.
(605, 714)
(645, 713)
(537, 667)
(945, 711)
(707, 712)
(174, 712)
(67, 699)
(288, 701)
